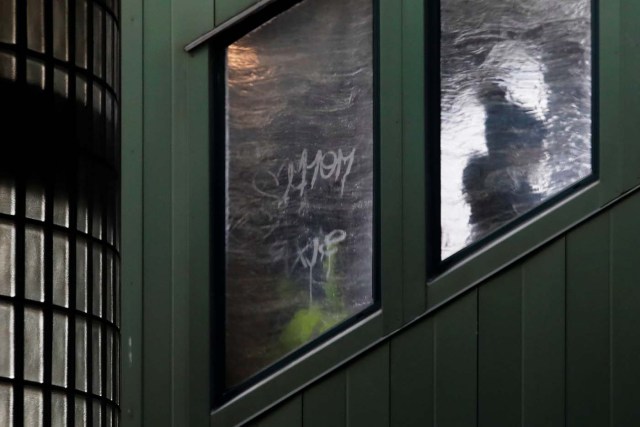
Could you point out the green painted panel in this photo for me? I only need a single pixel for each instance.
(227, 9)
(287, 415)
(199, 259)
(157, 305)
(630, 96)
(414, 221)
(625, 315)
(131, 259)
(391, 197)
(543, 337)
(456, 363)
(500, 350)
(609, 114)
(412, 376)
(368, 390)
(325, 403)
(587, 341)
(191, 401)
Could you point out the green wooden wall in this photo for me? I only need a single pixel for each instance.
(551, 341)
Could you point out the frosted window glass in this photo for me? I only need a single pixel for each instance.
(6, 341)
(116, 366)
(8, 21)
(35, 25)
(58, 410)
(7, 196)
(109, 287)
(98, 56)
(61, 206)
(97, 280)
(117, 292)
(81, 90)
(515, 110)
(299, 193)
(109, 364)
(83, 215)
(116, 57)
(7, 66)
(82, 256)
(60, 29)
(80, 412)
(109, 416)
(109, 51)
(6, 404)
(35, 201)
(35, 73)
(96, 358)
(81, 33)
(33, 407)
(59, 356)
(60, 269)
(61, 83)
(33, 342)
(7, 258)
(96, 221)
(34, 263)
(97, 414)
(81, 354)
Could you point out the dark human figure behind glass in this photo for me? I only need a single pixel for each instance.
(497, 184)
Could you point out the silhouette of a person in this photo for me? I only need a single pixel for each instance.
(496, 185)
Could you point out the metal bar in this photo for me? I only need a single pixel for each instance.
(242, 16)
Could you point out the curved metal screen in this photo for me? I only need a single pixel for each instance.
(59, 213)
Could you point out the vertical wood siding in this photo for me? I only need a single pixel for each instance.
(551, 341)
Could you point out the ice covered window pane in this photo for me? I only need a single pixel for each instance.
(299, 195)
(515, 110)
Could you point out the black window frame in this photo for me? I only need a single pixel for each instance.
(436, 265)
(218, 40)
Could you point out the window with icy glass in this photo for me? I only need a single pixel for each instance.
(299, 181)
(515, 110)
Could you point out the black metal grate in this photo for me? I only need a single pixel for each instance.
(59, 213)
